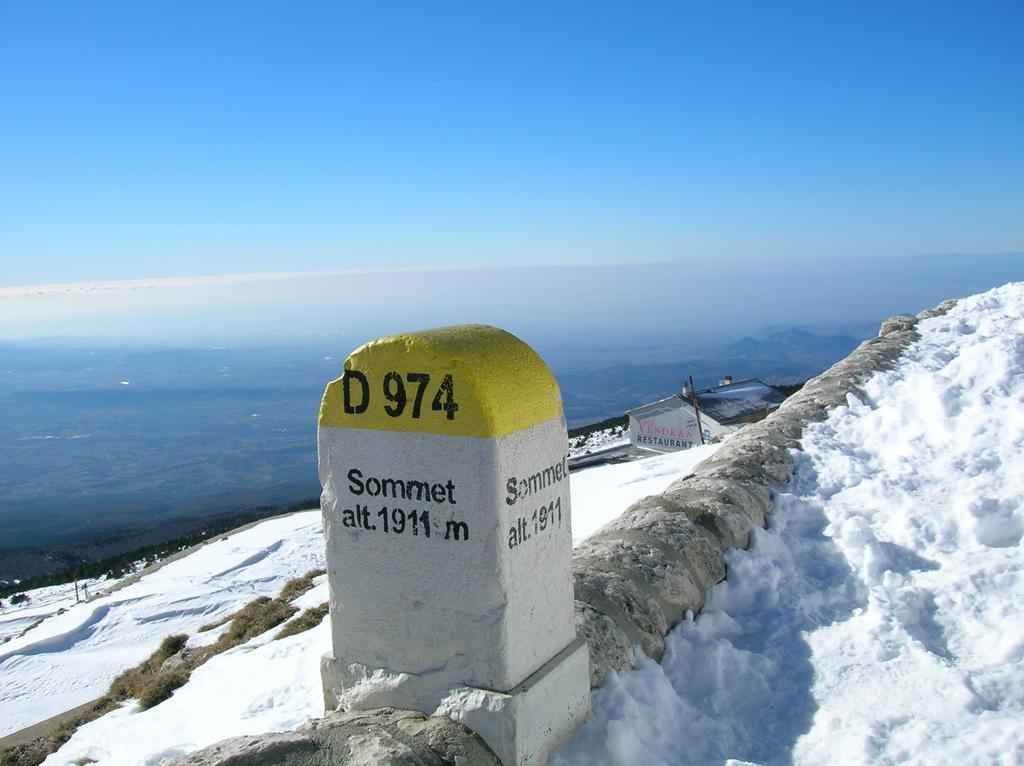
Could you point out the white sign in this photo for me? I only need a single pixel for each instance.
(667, 428)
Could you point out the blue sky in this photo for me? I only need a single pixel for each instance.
(157, 139)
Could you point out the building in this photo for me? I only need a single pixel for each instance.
(671, 424)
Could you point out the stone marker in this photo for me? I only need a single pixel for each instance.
(442, 456)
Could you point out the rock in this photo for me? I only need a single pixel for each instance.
(943, 308)
(610, 647)
(900, 323)
(638, 582)
(259, 750)
(383, 737)
(722, 506)
(176, 660)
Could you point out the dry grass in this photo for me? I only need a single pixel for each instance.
(154, 680)
(35, 624)
(308, 620)
(295, 588)
(212, 625)
(251, 620)
(162, 686)
(35, 752)
(149, 682)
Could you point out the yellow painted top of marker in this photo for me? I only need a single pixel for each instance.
(465, 380)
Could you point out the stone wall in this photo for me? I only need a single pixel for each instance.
(635, 579)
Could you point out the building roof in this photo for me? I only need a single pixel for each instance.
(726, 404)
(653, 409)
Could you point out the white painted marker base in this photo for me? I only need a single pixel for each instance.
(485, 604)
(522, 726)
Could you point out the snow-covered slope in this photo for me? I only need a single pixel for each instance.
(602, 493)
(70, 658)
(15, 619)
(880, 618)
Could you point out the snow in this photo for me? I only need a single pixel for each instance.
(737, 400)
(600, 494)
(71, 657)
(15, 619)
(616, 436)
(232, 694)
(878, 620)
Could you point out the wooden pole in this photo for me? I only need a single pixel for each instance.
(696, 408)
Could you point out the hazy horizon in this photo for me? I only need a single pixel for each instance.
(616, 302)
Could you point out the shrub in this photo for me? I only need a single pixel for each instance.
(171, 646)
(161, 686)
(136, 682)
